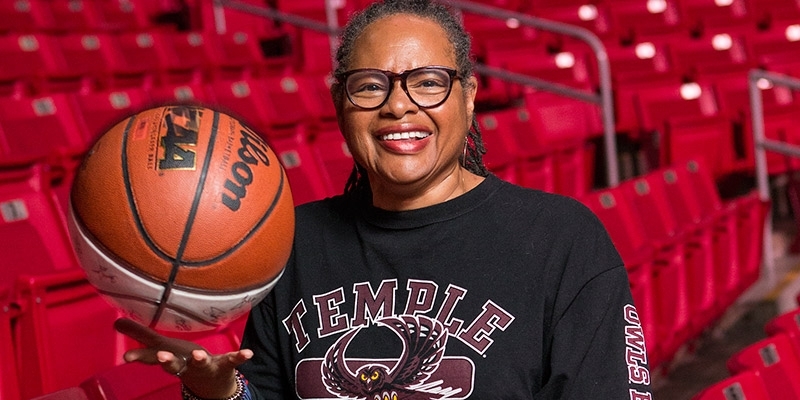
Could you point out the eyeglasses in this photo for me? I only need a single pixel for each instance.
(369, 88)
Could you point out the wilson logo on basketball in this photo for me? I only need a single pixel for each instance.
(180, 139)
(252, 151)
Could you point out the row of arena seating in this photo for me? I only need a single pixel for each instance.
(689, 260)
(689, 253)
(766, 369)
(674, 93)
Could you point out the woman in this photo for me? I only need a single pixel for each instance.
(429, 278)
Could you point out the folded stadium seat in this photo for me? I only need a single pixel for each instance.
(746, 385)
(132, 381)
(561, 121)
(626, 110)
(749, 213)
(777, 46)
(243, 99)
(27, 60)
(188, 59)
(701, 237)
(9, 388)
(766, 12)
(32, 227)
(512, 137)
(718, 50)
(86, 60)
(664, 315)
(122, 15)
(194, 93)
(313, 53)
(317, 93)
(637, 20)
(25, 16)
(638, 61)
(499, 129)
(593, 16)
(99, 111)
(691, 253)
(62, 315)
(698, 15)
(32, 129)
(779, 108)
(334, 158)
(775, 360)
(136, 59)
(72, 393)
(289, 101)
(235, 55)
(75, 17)
(536, 60)
(787, 323)
(302, 167)
(537, 172)
(675, 111)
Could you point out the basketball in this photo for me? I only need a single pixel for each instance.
(182, 217)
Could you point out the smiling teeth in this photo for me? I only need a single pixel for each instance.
(405, 136)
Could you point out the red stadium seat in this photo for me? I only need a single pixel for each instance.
(637, 61)
(698, 15)
(787, 323)
(717, 51)
(182, 93)
(775, 360)
(35, 128)
(560, 121)
(302, 168)
(593, 16)
(746, 385)
(137, 58)
(288, 97)
(188, 58)
(537, 172)
(707, 139)
(500, 129)
(27, 59)
(334, 157)
(635, 20)
(235, 55)
(122, 15)
(650, 205)
(25, 16)
(777, 46)
(700, 235)
(643, 262)
(574, 172)
(749, 213)
(98, 111)
(87, 57)
(243, 99)
(32, 230)
(74, 16)
(62, 315)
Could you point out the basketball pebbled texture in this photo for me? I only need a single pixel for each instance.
(182, 216)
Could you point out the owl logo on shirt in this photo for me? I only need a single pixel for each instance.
(409, 377)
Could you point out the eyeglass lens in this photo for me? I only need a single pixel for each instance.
(428, 87)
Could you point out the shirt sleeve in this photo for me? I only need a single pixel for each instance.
(598, 348)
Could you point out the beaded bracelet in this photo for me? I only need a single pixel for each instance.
(242, 392)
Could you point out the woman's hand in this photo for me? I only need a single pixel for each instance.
(206, 375)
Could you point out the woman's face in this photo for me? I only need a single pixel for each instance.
(401, 167)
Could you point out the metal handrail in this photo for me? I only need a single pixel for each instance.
(604, 100)
(760, 147)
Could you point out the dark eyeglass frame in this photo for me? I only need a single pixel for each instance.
(342, 78)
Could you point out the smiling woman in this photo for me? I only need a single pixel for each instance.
(429, 277)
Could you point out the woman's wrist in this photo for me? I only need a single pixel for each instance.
(241, 392)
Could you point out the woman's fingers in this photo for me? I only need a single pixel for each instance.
(175, 364)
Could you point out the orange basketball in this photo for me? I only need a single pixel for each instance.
(182, 216)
